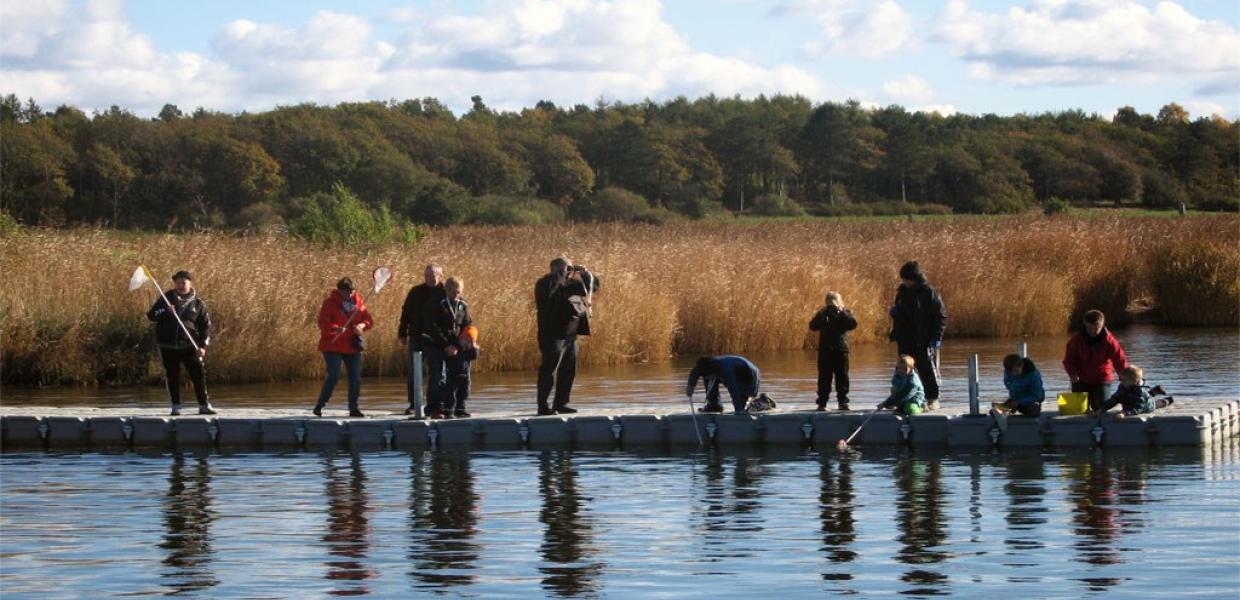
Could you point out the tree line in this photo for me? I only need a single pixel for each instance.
(415, 161)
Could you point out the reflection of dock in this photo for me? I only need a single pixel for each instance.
(1189, 422)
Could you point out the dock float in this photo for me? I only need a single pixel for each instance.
(1189, 422)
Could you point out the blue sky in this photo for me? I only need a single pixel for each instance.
(946, 55)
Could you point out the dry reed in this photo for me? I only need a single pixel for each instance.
(686, 288)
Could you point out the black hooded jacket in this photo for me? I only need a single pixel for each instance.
(193, 312)
(555, 296)
(833, 325)
(918, 316)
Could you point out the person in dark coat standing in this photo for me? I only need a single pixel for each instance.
(444, 322)
(562, 298)
(833, 322)
(918, 321)
(411, 329)
(175, 349)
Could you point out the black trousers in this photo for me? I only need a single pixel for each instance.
(1099, 393)
(832, 364)
(558, 369)
(927, 365)
(173, 359)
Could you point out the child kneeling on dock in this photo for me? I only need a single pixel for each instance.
(908, 397)
(1024, 385)
(1134, 396)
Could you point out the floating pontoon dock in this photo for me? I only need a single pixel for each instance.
(1188, 422)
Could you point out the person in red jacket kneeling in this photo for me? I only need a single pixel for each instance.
(1092, 359)
(342, 320)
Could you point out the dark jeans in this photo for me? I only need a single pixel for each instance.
(559, 367)
(458, 392)
(1099, 393)
(173, 359)
(927, 365)
(832, 364)
(713, 384)
(352, 364)
(436, 379)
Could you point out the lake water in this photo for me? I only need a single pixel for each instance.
(1188, 362)
(876, 522)
(1141, 524)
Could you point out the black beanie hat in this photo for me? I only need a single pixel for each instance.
(912, 271)
(345, 284)
(182, 274)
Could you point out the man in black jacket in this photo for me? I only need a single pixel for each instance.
(562, 298)
(918, 320)
(175, 348)
(833, 322)
(412, 326)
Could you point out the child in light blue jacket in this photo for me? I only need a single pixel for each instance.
(908, 397)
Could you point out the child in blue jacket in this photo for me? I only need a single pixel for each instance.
(1024, 385)
(908, 397)
(1134, 396)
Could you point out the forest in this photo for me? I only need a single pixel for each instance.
(395, 163)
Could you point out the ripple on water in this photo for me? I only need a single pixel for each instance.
(560, 524)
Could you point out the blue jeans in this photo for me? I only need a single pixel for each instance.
(352, 363)
(437, 379)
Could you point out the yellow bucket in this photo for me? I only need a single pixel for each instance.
(1073, 403)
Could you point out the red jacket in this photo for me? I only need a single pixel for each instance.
(332, 318)
(1094, 363)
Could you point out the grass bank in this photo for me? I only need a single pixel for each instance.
(682, 288)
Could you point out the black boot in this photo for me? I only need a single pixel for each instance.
(205, 409)
(544, 410)
(318, 410)
(711, 408)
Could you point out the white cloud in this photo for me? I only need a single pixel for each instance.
(1068, 42)
(573, 51)
(916, 94)
(856, 28)
(512, 54)
(91, 58)
(909, 89)
(1203, 108)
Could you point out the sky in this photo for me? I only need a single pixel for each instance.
(994, 56)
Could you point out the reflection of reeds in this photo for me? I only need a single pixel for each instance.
(676, 288)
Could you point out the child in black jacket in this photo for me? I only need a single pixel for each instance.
(833, 322)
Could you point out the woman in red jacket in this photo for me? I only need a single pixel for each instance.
(342, 319)
(1092, 359)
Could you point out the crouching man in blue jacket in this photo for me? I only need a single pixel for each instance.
(736, 373)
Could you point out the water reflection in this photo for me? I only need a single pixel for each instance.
(731, 509)
(836, 503)
(568, 537)
(348, 527)
(920, 504)
(187, 517)
(1099, 490)
(443, 518)
(1025, 486)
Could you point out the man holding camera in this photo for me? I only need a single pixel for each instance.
(562, 298)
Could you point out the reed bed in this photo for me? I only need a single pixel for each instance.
(684, 288)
